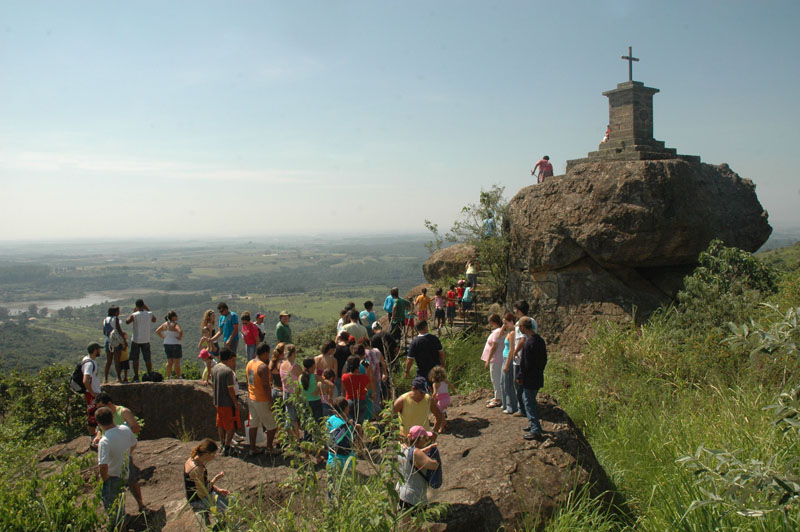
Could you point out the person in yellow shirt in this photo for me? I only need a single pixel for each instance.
(423, 303)
(414, 408)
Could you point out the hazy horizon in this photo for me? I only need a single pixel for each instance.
(205, 120)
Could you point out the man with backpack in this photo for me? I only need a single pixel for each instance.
(91, 383)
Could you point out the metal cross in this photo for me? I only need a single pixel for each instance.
(630, 59)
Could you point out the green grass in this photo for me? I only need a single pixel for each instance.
(645, 397)
(786, 258)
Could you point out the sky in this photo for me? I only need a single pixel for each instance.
(215, 119)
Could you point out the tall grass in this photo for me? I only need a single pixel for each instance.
(647, 396)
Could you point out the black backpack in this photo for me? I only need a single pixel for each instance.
(152, 376)
(76, 380)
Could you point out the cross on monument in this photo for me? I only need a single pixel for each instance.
(630, 59)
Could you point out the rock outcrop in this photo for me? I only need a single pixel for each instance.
(187, 411)
(611, 238)
(492, 476)
(448, 262)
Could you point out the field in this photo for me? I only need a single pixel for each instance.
(52, 304)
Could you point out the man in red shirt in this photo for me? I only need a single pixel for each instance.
(545, 169)
(451, 305)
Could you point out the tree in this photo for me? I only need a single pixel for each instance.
(480, 224)
(33, 310)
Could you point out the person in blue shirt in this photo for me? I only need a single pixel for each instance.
(341, 435)
(388, 303)
(229, 325)
(367, 316)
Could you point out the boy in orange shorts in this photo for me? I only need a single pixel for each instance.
(223, 376)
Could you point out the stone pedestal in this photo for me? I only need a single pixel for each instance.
(630, 118)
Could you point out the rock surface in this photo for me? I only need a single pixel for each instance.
(611, 237)
(448, 262)
(491, 474)
(185, 411)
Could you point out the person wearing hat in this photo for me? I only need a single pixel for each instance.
(415, 463)
(283, 333)
(414, 408)
(262, 330)
(92, 383)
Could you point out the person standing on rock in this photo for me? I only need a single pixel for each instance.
(123, 417)
(521, 309)
(224, 377)
(250, 334)
(172, 334)
(116, 341)
(283, 333)
(531, 377)
(545, 169)
(426, 350)
(262, 329)
(388, 305)
(142, 319)
(414, 408)
(113, 454)
(493, 358)
(92, 383)
(451, 305)
(399, 308)
(229, 325)
(259, 398)
(510, 400)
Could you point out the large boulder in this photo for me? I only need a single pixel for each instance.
(493, 477)
(611, 237)
(172, 409)
(448, 262)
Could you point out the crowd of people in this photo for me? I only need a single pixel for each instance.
(343, 386)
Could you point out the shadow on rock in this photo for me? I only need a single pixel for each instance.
(471, 427)
(482, 515)
(150, 521)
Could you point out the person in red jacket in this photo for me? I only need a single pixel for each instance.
(545, 169)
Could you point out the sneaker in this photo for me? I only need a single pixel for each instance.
(224, 451)
(519, 414)
(537, 435)
(135, 378)
(509, 412)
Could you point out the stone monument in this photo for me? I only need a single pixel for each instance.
(613, 238)
(630, 119)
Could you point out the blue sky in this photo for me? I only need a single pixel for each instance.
(172, 119)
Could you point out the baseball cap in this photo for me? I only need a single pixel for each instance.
(204, 354)
(260, 315)
(92, 346)
(418, 431)
(376, 326)
(420, 383)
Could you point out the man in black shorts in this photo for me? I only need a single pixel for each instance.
(141, 319)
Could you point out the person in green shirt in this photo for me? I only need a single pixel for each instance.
(283, 333)
(399, 310)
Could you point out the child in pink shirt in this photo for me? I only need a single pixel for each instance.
(250, 335)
